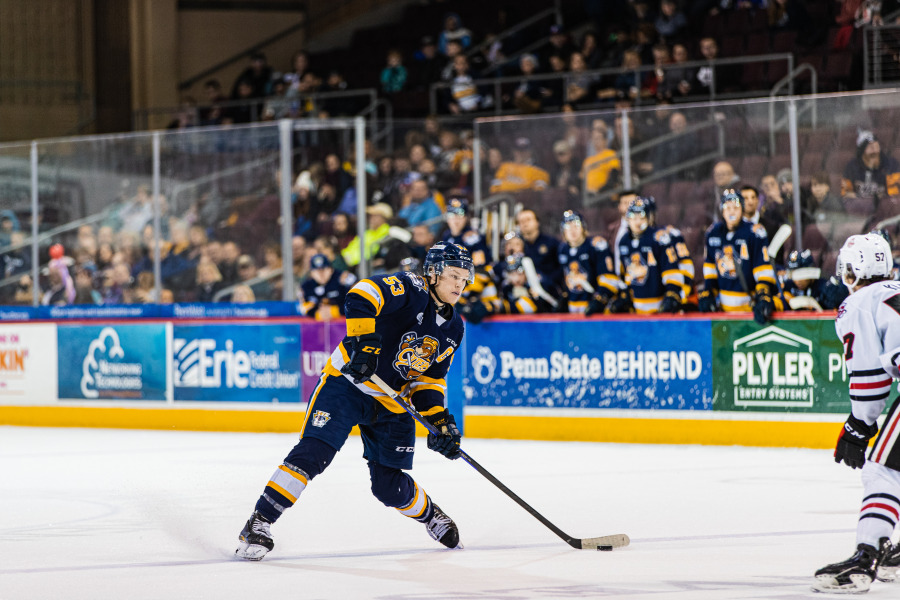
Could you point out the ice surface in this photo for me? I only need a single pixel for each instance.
(104, 514)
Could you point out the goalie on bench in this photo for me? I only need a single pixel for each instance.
(868, 323)
(403, 328)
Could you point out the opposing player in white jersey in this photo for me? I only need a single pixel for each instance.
(868, 323)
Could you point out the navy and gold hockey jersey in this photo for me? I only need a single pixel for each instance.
(588, 270)
(417, 343)
(325, 301)
(684, 261)
(736, 262)
(649, 268)
(473, 241)
(519, 300)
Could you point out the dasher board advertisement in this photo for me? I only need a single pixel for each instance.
(27, 363)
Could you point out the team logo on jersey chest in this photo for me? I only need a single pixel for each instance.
(416, 355)
(636, 272)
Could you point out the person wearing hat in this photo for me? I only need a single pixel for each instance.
(322, 295)
(460, 232)
(564, 174)
(247, 272)
(519, 174)
(377, 228)
(871, 174)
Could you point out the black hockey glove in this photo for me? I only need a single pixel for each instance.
(363, 357)
(853, 442)
(596, 306)
(763, 306)
(671, 303)
(706, 301)
(474, 311)
(447, 443)
(620, 303)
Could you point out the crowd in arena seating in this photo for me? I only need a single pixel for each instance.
(226, 248)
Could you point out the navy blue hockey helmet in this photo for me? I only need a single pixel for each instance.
(458, 206)
(730, 195)
(572, 216)
(514, 262)
(639, 207)
(800, 259)
(443, 255)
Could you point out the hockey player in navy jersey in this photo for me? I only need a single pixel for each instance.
(459, 231)
(323, 294)
(678, 251)
(403, 328)
(806, 289)
(587, 267)
(518, 296)
(737, 272)
(649, 266)
(868, 323)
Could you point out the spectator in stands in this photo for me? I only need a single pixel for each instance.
(579, 83)
(861, 13)
(520, 173)
(788, 14)
(676, 149)
(724, 178)
(871, 174)
(564, 173)
(377, 227)
(227, 263)
(630, 82)
(770, 189)
(777, 211)
(465, 95)
(671, 24)
(678, 79)
(247, 272)
(601, 171)
(421, 205)
(341, 229)
(751, 203)
(272, 260)
(299, 69)
(277, 104)
(257, 75)
(138, 212)
(322, 295)
(427, 64)
(822, 205)
(529, 94)
(589, 50)
(84, 287)
(213, 113)
(539, 247)
(448, 71)
(422, 240)
(393, 76)
(555, 89)
(338, 178)
(245, 110)
(15, 261)
(713, 77)
(9, 223)
(337, 106)
(209, 281)
(454, 31)
(558, 43)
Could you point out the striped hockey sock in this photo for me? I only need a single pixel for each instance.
(877, 518)
(282, 491)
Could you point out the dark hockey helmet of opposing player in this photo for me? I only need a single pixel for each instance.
(444, 255)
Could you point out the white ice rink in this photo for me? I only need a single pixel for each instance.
(102, 514)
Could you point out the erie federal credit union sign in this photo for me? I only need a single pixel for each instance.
(791, 365)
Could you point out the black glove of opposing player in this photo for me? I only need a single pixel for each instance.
(763, 307)
(671, 303)
(447, 443)
(853, 441)
(363, 357)
(706, 301)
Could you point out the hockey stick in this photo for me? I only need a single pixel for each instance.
(534, 282)
(607, 542)
(778, 240)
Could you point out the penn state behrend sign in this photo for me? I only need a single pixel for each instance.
(645, 364)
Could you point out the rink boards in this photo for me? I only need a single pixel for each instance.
(623, 379)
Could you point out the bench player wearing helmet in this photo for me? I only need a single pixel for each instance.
(403, 328)
(868, 323)
(737, 272)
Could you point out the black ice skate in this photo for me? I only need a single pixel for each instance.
(255, 540)
(443, 529)
(852, 576)
(889, 565)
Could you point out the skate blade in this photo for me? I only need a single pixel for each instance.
(251, 551)
(887, 574)
(859, 584)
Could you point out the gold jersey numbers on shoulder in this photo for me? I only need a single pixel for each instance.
(760, 231)
(599, 242)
